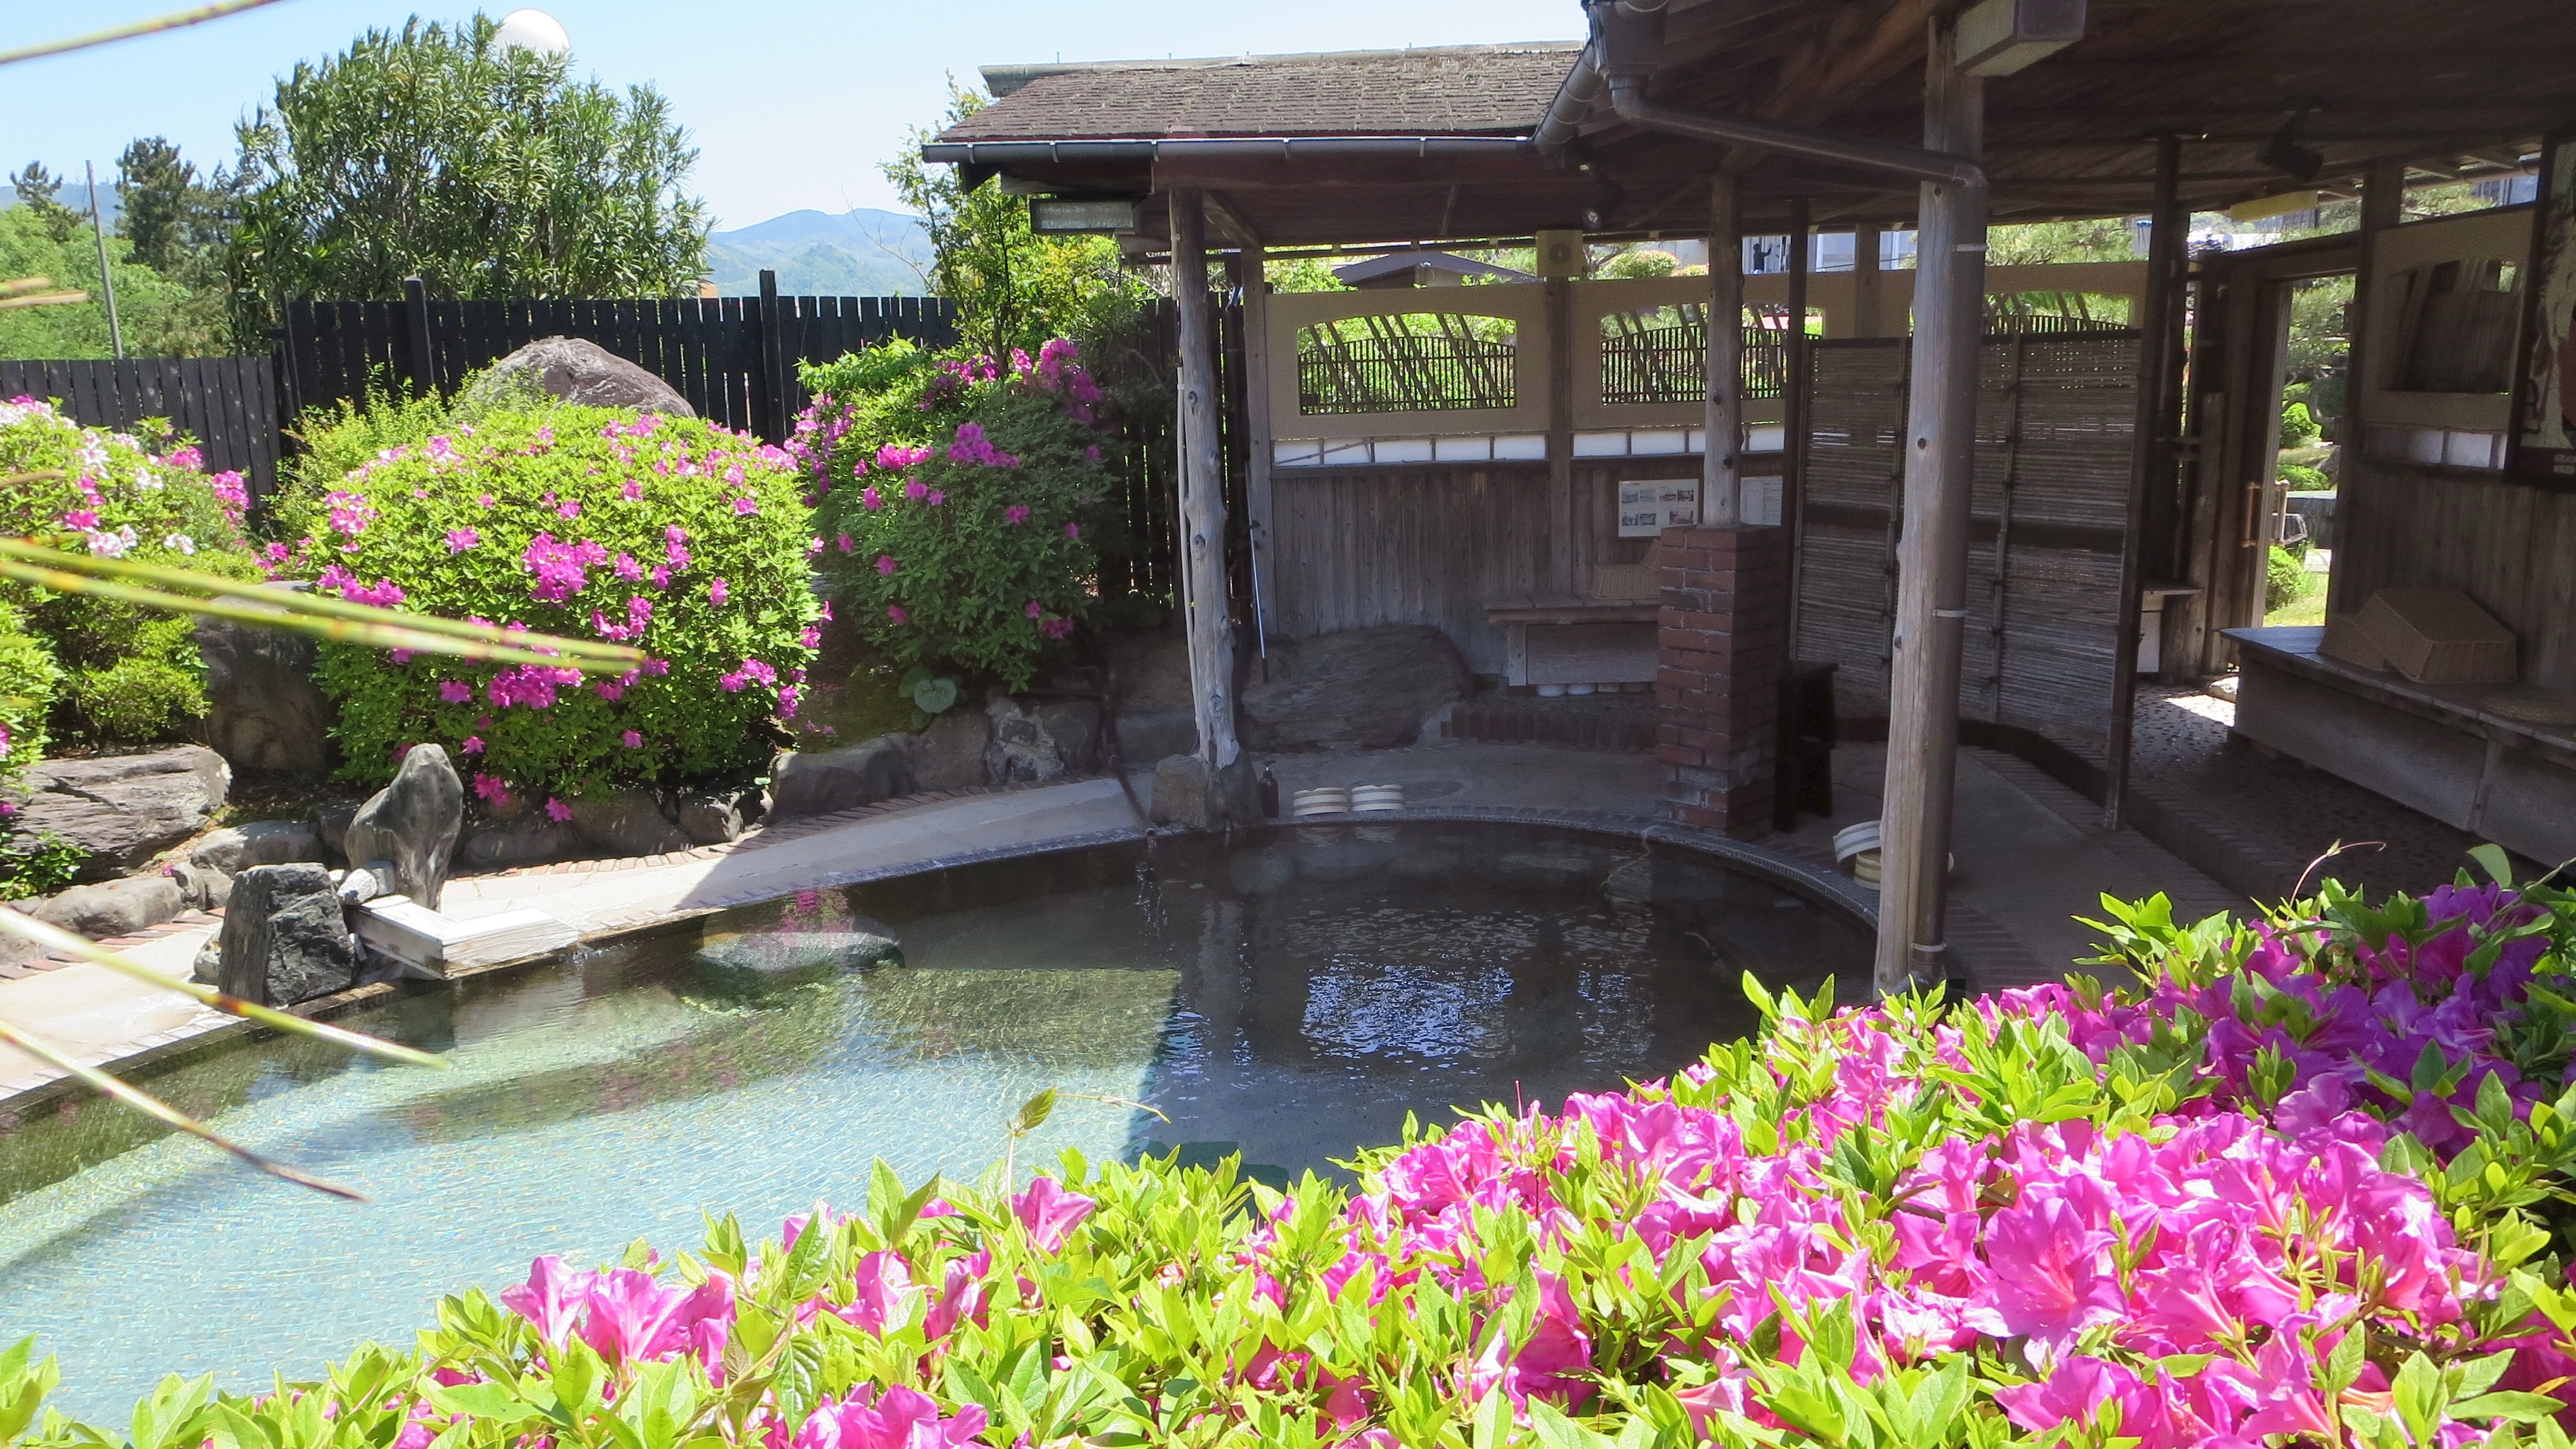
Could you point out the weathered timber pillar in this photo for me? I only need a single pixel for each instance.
(1202, 485)
(1865, 281)
(2150, 458)
(1254, 279)
(1793, 400)
(1932, 553)
(1721, 487)
(1563, 569)
(2383, 205)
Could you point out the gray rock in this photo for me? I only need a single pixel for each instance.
(1021, 749)
(578, 371)
(1074, 726)
(329, 822)
(712, 819)
(263, 710)
(819, 782)
(950, 754)
(1190, 795)
(412, 822)
(115, 908)
(360, 884)
(626, 822)
(208, 967)
(525, 840)
(236, 848)
(203, 887)
(285, 938)
(121, 810)
(1359, 689)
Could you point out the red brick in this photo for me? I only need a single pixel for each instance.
(1678, 755)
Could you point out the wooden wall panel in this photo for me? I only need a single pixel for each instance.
(2509, 546)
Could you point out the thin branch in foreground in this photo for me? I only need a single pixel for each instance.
(178, 20)
(54, 938)
(163, 1112)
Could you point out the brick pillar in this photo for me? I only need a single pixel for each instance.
(1723, 637)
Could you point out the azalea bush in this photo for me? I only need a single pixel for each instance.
(670, 535)
(953, 496)
(2302, 1180)
(112, 673)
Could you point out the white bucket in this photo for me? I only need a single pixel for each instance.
(1322, 800)
(1377, 797)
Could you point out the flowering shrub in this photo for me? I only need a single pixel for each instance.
(129, 675)
(674, 536)
(28, 676)
(953, 498)
(2303, 1182)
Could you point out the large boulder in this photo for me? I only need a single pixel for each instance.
(818, 782)
(1188, 794)
(529, 839)
(413, 823)
(578, 371)
(285, 938)
(122, 810)
(1021, 749)
(263, 710)
(626, 822)
(712, 819)
(950, 754)
(1360, 689)
(236, 848)
(113, 908)
(1073, 725)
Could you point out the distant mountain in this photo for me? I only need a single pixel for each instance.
(860, 253)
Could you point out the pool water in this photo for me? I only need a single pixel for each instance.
(1290, 998)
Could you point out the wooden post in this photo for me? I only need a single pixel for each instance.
(1562, 571)
(1256, 469)
(1202, 490)
(424, 358)
(2148, 459)
(1864, 321)
(777, 380)
(1932, 554)
(2383, 205)
(1793, 400)
(1721, 486)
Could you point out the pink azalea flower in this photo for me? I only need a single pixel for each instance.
(1035, 609)
(634, 739)
(717, 592)
(453, 691)
(843, 543)
(936, 498)
(461, 539)
(473, 745)
(896, 1419)
(885, 564)
(871, 499)
(915, 489)
(633, 492)
(1016, 513)
(1073, 530)
(896, 613)
(1049, 1212)
(744, 507)
(557, 811)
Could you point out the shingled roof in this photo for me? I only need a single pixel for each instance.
(1446, 90)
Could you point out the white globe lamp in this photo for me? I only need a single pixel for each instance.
(533, 31)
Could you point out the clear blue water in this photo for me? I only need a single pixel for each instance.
(1290, 998)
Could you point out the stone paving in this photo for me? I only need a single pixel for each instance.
(2032, 856)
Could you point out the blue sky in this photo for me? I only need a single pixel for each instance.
(792, 102)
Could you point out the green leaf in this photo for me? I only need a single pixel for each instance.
(2492, 859)
(493, 1403)
(1033, 1113)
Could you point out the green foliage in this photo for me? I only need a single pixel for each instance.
(2319, 351)
(1013, 288)
(1639, 262)
(1303, 274)
(161, 317)
(2283, 578)
(33, 864)
(954, 498)
(2103, 239)
(2304, 478)
(131, 675)
(2298, 427)
(672, 535)
(431, 152)
(347, 435)
(28, 679)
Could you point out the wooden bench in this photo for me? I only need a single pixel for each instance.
(2437, 748)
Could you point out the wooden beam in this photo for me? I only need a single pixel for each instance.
(1811, 98)
(1202, 485)
(2150, 461)
(1919, 801)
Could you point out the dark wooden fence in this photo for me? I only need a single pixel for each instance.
(228, 404)
(733, 358)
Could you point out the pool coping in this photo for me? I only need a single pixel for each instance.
(1811, 877)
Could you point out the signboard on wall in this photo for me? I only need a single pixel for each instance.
(1648, 506)
(2543, 442)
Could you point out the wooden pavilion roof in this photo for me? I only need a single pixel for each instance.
(2453, 87)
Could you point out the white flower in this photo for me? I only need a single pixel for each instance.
(111, 545)
(144, 480)
(92, 455)
(182, 542)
